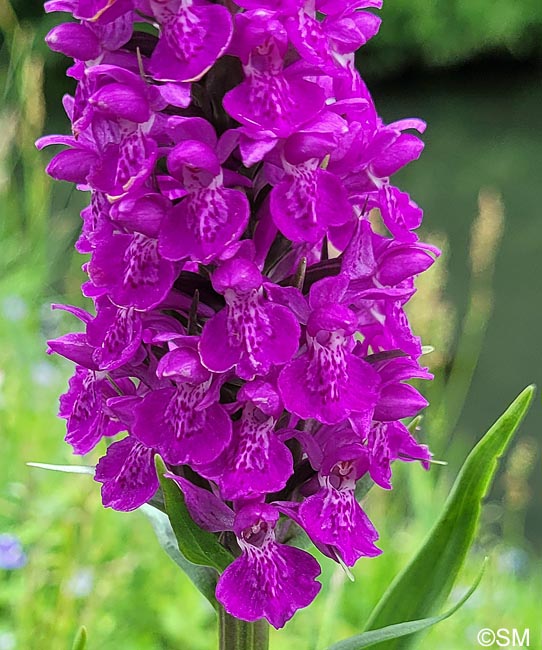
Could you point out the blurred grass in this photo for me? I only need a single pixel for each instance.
(104, 569)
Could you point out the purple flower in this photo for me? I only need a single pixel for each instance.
(331, 516)
(270, 580)
(389, 441)
(184, 421)
(309, 199)
(12, 555)
(343, 30)
(127, 474)
(84, 407)
(272, 97)
(210, 216)
(224, 147)
(116, 333)
(256, 334)
(256, 462)
(193, 36)
(399, 213)
(129, 269)
(397, 399)
(327, 381)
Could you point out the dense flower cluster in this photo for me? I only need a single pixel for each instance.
(249, 323)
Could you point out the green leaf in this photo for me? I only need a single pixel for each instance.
(429, 577)
(197, 545)
(399, 630)
(204, 578)
(67, 469)
(80, 641)
(156, 501)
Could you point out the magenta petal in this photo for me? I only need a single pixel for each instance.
(206, 509)
(399, 401)
(191, 41)
(274, 104)
(116, 333)
(203, 224)
(130, 268)
(362, 392)
(128, 475)
(74, 40)
(334, 517)
(278, 331)
(74, 347)
(122, 101)
(258, 462)
(168, 419)
(218, 358)
(72, 165)
(272, 582)
(313, 390)
(83, 407)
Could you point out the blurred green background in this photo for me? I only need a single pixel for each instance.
(472, 70)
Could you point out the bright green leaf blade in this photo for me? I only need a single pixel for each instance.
(157, 500)
(368, 639)
(427, 580)
(80, 642)
(67, 469)
(197, 545)
(204, 578)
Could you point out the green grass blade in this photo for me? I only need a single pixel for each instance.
(80, 641)
(67, 469)
(197, 545)
(374, 637)
(427, 580)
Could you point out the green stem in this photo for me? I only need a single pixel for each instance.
(234, 634)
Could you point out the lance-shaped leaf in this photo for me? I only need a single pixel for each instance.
(157, 501)
(66, 469)
(197, 545)
(399, 630)
(80, 641)
(203, 577)
(429, 577)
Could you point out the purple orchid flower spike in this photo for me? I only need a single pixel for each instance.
(269, 580)
(194, 34)
(256, 334)
(183, 421)
(328, 382)
(227, 148)
(210, 216)
(127, 474)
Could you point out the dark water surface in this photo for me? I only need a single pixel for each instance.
(485, 131)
